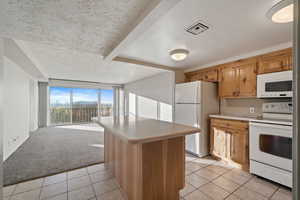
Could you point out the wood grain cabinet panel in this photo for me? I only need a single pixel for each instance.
(209, 75)
(275, 62)
(247, 80)
(238, 79)
(218, 142)
(238, 151)
(228, 85)
(147, 171)
(194, 77)
(229, 141)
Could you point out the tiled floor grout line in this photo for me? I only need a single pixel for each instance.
(220, 175)
(274, 193)
(209, 181)
(67, 176)
(42, 186)
(262, 194)
(92, 184)
(12, 193)
(240, 186)
(216, 172)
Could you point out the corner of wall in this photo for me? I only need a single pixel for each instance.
(1, 114)
(179, 76)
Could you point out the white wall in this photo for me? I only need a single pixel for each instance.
(20, 96)
(152, 97)
(33, 101)
(1, 115)
(20, 110)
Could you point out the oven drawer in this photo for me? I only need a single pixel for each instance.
(272, 173)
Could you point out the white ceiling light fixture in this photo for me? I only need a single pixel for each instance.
(282, 12)
(179, 54)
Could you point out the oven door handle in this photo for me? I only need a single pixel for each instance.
(286, 127)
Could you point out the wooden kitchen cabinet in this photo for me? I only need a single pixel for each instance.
(219, 138)
(247, 80)
(229, 141)
(275, 62)
(193, 77)
(209, 75)
(238, 149)
(228, 84)
(238, 79)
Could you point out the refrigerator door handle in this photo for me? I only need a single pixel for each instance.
(197, 115)
(197, 107)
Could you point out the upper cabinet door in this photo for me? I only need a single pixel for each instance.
(247, 80)
(275, 62)
(229, 84)
(210, 75)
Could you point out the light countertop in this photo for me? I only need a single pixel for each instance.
(252, 119)
(143, 130)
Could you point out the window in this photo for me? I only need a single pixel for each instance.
(84, 105)
(79, 105)
(60, 105)
(106, 107)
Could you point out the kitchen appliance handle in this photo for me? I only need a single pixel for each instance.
(197, 116)
(286, 127)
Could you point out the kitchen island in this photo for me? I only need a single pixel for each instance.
(146, 156)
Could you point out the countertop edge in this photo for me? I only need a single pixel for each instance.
(149, 139)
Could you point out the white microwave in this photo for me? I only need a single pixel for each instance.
(275, 85)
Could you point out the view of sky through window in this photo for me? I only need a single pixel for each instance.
(61, 95)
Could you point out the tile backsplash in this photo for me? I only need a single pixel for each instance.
(241, 107)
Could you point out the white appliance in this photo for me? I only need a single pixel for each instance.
(271, 144)
(194, 102)
(275, 85)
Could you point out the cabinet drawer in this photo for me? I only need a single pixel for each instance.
(230, 124)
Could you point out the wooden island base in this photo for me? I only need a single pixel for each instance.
(147, 171)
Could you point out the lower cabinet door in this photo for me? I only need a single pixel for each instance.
(238, 151)
(219, 148)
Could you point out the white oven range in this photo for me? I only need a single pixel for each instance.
(271, 144)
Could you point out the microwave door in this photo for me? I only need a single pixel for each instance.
(275, 85)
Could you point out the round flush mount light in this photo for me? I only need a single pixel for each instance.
(282, 12)
(179, 54)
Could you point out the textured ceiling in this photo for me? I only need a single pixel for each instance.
(62, 63)
(236, 27)
(94, 26)
(67, 39)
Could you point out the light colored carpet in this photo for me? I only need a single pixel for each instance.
(53, 150)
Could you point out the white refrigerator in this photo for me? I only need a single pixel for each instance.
(194, 101)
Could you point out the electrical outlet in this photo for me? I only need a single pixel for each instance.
(251, 109)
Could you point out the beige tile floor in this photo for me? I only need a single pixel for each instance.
(206, 179)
